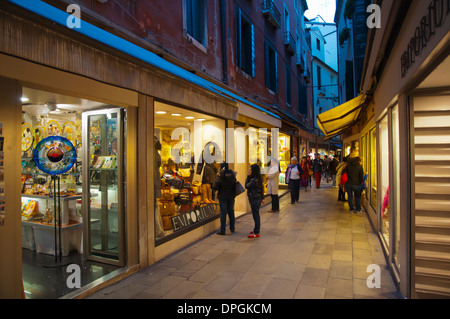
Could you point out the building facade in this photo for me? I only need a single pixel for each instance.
(150, 104)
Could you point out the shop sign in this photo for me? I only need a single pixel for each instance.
(436, 14)
(186, 219)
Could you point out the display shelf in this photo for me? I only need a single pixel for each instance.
(71, 224)
(63, 197)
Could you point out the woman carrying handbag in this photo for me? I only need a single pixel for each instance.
(255, 193)
(225, 184)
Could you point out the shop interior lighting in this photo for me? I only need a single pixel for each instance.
(24, 99)
(189, 117)
(176, 114)
(160, 112)
(201, 120)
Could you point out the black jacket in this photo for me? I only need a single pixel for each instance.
(355, 173)
(333, 165)
(255, 188)
(225, 184)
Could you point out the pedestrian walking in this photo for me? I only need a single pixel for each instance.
(272, 185)
(305, 177)
(255, 193)
(293, 173)
(333, 170)
(225, 185)
(317, 167)
(339, 170)
(355, 175)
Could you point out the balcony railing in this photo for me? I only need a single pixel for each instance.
(289, 42)
(271, 13)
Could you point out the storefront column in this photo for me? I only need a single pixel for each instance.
(10, 224)
(405, 207)
(146, 176)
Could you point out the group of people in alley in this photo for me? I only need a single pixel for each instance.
(347, 176)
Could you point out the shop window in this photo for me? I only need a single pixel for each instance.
(196, 20)
(190, 146)
(384, 179)
(363, 156)
(245, 44)
(396, 186)
(89, 217)
(302, 99)
(319, 77)
(271, 67)
(284, 154)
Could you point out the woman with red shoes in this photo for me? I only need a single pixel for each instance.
(255, 193)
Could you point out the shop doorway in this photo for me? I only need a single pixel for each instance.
(91, 201)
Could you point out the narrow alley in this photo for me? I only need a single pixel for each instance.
(314, 249)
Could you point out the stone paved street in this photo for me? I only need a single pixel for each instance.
(313, 249)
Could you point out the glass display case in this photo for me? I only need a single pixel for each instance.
(103, 185)
(383, 183)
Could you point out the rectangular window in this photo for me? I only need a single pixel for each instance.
(271, 67)
(318, 44)
(286, 20)
(288, 86)
(302, 98)
(187, 144)
(384, 178)
(245, 44)
(196, 20)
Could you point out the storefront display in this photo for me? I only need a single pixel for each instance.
(373, 167)
(191, 147)
(396, 186)
(53, 148)
(384, 181)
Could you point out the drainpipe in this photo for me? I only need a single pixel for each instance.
(223, 30)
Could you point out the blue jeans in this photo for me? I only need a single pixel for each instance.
(354, 190)
(227, 208)
(255, 204)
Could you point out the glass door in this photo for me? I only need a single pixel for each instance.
(103, 185)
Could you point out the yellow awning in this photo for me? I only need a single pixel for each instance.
(340, 118)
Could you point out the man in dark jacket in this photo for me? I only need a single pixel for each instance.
(225, 184)
(355, 175)
(333, 169)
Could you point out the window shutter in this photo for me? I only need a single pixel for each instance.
(276, 71)
(266, 64)
(238, 37)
